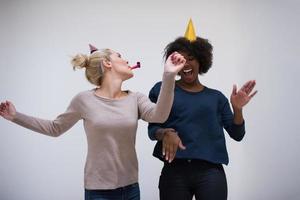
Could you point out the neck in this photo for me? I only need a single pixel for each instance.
(194, 84)
(110, 88)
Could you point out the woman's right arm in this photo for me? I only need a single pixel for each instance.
(53, 128)
(168, 136)
(159, 112)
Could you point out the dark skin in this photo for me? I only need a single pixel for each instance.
(189, 81)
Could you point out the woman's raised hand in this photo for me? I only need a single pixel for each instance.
(7, 110)
(174, 63)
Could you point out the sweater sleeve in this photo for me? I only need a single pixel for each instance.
(235, 131)
(55, 127)
(159, 112)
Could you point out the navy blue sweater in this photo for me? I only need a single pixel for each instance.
(199, 119)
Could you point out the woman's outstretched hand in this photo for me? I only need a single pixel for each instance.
(7, 110)
(241, 97)
(174, 63)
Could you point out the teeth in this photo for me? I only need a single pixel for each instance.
(187, 70)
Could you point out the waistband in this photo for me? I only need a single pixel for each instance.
(117, 189)
(192, 161)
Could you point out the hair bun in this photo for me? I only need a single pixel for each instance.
(80, 61)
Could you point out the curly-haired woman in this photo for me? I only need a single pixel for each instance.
(191, 142)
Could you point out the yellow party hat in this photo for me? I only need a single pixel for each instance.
(190, 32)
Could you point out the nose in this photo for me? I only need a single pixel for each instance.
(186, 64)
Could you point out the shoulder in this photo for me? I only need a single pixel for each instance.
(216, 93)
(156, 87)
(138, 95)
(83, 95)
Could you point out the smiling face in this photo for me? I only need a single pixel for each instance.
(190, 71)
(120, 66)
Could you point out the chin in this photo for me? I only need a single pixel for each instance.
(188, 81)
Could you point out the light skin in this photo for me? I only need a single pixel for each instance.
(189, 81)
(116, 71)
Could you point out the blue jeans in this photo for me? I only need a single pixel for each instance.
(182, 179)
(129, 192)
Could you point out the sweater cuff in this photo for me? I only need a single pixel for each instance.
(238, 130)
(152, 132)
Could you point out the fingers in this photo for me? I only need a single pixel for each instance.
(245, 86)
(166, 130)
(248, 87)
(163, 148)
(177, 58)
(181, 146)
(170, 150)
(171, 142)
(5, 103)
(253, 94)
(167, 151)
(3, 108)
(251, 86)
(173, 149)
(234, 88)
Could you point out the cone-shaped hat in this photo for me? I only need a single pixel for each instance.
(92, 48)
(190, 32)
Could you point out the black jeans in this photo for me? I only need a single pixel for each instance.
(182, 179)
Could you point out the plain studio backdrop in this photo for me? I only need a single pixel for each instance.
(252, 40)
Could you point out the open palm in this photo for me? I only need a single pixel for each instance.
(241, 97)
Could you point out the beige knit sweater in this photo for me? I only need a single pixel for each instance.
(110, 126)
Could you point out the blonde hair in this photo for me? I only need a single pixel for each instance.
(93, 64)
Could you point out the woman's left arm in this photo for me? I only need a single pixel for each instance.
(240, 98)
(235, 125)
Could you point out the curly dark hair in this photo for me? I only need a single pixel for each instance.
(200, 49)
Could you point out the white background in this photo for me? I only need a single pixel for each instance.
(252, 40)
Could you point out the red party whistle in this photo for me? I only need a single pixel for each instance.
(138, 65)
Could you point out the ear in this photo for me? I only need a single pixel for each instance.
(106, 63)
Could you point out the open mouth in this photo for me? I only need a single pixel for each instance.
(188, 71)
(188, 74)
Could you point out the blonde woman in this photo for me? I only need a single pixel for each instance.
(110, 117)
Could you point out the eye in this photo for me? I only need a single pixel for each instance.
(190, 58)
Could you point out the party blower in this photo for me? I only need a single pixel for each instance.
(138, 65)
